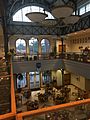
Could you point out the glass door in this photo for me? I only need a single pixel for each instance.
(34, 80)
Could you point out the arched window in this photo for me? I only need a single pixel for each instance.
(45, 46)
(21, 80)
(20, 15)
(20, 46)
(33, 45)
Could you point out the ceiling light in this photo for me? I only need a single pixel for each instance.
(36, 16)
(71, 19)
(49, 22)
(62, 11)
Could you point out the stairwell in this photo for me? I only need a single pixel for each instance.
(5, 89)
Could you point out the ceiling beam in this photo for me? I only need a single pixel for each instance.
(29, 29)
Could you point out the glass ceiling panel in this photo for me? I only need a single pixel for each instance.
(20, 14)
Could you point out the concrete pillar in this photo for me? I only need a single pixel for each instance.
(27, 47)
(28, 80)
(62, 73)
(41, 82)
(59, 78)
(87, 84)
(15, 81)
(35, 80)
(39, 47)
(62, 42)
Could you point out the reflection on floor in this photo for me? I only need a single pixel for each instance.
(40, 98)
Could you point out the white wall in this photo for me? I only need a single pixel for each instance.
(58, 76)
(11, 44)
(78, 81)
(30, 66)
(87, 84)
(53, 74)
(75, 40)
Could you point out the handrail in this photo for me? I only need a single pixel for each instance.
(13, 103)
(53, 108)
(76, 56)
(38, 111)
(77, 87)
(6, 116)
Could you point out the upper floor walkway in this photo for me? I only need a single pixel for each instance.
(74, 56)
(73, 62)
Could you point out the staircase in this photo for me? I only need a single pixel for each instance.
(5, 92)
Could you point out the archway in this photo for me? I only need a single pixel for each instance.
(45, 46)
(20, 46)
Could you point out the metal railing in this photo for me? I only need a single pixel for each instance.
(74, 56)
(46, 110)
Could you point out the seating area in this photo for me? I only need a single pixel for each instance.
(40, 99)
(48, 96)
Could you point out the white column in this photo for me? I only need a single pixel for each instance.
(28, 80)
(27, 47)
(41, 82)
(15, 81)
(39, 48)
(35, 80)
(59, 78)
(62, 73)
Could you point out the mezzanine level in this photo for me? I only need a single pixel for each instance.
(72, 62)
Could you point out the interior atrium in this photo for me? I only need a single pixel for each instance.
(44, 59)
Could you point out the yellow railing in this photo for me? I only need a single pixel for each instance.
(52, 108)
(7, 116)
(13, 103)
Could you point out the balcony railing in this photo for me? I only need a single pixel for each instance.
(70, 111)
(74, 56)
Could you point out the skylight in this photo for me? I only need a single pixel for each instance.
(20, 14)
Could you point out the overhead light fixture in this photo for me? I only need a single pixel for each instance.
(49, 22)
(71, 19)
(36, 16)
(62, 11)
